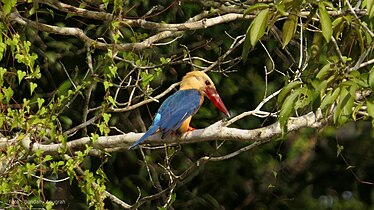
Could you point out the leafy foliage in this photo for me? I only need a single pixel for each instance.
(91, 69)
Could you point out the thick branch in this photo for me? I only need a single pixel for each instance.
(215, 132)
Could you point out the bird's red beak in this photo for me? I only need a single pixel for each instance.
(212, 94)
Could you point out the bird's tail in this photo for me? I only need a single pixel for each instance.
(150, 131)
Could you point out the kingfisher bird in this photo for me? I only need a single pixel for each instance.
(175, 113)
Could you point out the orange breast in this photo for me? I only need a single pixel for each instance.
(185, 125)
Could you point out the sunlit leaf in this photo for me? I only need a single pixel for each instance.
(8, 5)
(21, 75)
(40, 102)
(259, 26)
(32, 87)
(106, 117)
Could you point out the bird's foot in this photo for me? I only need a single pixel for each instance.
(190, 128)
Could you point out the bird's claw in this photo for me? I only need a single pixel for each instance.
(190, 128)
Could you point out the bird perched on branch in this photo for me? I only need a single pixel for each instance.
(175, 113)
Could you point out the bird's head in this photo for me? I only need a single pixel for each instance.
(201, 81)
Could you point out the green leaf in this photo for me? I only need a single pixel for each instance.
(112, 101)
(284, 92)
(330, 98)
(370, 108)
(370, 8)
(40, 102)
(338, 26)
(259, 26)
(49, 205)
(8, 5)
(106, 117)
(113, 70)
(324, 71)
(287, 108)
(325, 22)
(2, 72)
(289, 28)
(146, 79)
(344, 107)
(305, 98)
(32, 87)
(47, 158)
(356, 109)
(254, 7)
(8, 92)
(64, 87)
(107, 84)
(247, 44)
(21, 75)
(371, 78)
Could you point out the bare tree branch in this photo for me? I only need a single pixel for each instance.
(216, 132)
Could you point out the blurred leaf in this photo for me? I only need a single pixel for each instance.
(325, 22)
(213, 201)
(339, 149)
(8, 5)
(281, 7)
(370, 8)
(64, 87)
(370, 108)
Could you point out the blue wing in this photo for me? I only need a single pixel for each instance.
(177, 108)
(173, 112)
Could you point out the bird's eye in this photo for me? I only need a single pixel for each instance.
(207, 82)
